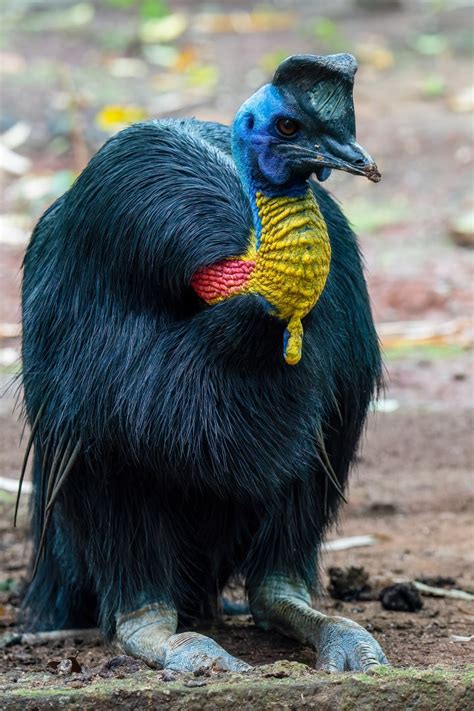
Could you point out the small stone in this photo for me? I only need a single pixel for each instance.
(195, 682)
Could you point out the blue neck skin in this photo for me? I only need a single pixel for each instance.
(252, 138)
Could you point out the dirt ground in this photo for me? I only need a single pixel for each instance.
(410, 491)
(414, 485)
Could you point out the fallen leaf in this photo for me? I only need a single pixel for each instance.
(7, 615)
(426, 333)
(161, 55)
(113, 117)
(9, 330)
(463, 101)
(9, 356)
(9, 484)
(376, 55)
(64, 666)
(14, 229)
(269, 61)
(154, 9)
(33, 188)
(328, 32)
(430, 44)
(241, 22)
(58, 20)
(166, 29)
(127, 67)
(9, 585)
(11, 63)
(202, 75)
(13, 163)
(433, 87)
(16, 135)
(368, 217)
(185, 59)
(120, 3)
(385, 404)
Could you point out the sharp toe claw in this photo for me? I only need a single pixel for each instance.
(331, 664)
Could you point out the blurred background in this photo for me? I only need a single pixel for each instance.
(73, 73)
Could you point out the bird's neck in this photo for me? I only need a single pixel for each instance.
(292, 260)
(290, 250)
(259, 190)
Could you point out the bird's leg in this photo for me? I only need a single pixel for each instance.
(149, 633)
(281, 603)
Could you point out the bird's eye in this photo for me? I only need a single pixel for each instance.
(287, 127)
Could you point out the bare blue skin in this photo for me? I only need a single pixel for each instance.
(275, 166)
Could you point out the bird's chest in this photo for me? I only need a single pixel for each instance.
(287, 263)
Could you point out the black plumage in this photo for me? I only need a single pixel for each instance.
(192, 451)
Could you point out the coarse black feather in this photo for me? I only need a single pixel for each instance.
(201, 450)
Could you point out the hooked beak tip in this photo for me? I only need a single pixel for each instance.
(372, 173)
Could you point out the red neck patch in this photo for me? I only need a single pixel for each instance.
(221, 280)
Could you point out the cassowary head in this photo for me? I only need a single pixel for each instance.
(302, 123)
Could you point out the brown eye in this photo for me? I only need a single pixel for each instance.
(287, 127)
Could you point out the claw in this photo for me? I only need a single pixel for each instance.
(150, 634)
(346, 646)
(331, 664)
(342, 645)
(190, 651)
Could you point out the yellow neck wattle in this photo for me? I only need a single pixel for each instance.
(289, 267)
(292, 261)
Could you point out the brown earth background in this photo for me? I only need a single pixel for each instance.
(73, 73)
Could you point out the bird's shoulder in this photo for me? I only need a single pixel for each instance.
(179, 145)
(174, 163)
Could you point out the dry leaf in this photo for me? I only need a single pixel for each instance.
(165, 29)
(113, 117)
(127, 67)
(463, 101)
(399, 333)
(377, 55)
(242, 22)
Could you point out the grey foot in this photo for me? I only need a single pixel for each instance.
(190, 651)
(150, 634)
(344, 645)
(340, 644)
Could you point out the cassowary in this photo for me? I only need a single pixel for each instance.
(199, 357)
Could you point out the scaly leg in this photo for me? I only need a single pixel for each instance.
(150, 634)
(341, 644)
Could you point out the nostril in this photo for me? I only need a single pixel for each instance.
(359, 162)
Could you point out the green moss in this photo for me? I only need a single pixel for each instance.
(431, 686)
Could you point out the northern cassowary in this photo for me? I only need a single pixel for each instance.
(199, 357)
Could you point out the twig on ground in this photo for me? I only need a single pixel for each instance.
(9, 484)
(343, 544)
(33, 638)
